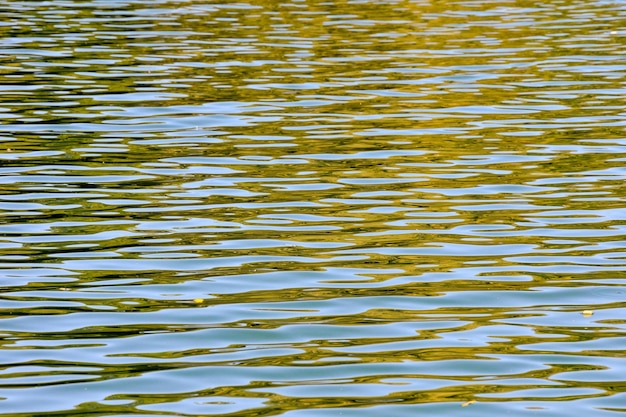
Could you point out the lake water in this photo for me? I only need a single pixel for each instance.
(312, 208)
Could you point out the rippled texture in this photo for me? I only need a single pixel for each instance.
(312, 208)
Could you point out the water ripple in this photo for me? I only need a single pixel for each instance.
(312, 208)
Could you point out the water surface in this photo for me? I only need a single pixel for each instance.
(312, 208)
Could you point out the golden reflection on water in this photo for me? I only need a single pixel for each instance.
(312, 208)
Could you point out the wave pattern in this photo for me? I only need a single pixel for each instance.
(311, 208)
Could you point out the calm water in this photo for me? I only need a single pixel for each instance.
(312, 208)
